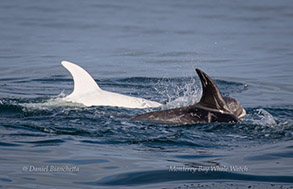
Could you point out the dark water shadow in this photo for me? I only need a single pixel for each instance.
(158, 176)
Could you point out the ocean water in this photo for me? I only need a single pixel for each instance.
(145, 49)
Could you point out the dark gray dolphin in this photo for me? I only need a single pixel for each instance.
(212, 107)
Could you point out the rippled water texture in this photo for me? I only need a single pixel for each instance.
(145, 49)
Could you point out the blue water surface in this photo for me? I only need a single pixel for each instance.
(145, 49)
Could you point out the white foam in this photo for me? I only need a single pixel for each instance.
(261, 117)
(53, 102)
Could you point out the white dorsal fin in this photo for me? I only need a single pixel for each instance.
(87, 92)
(83, 82)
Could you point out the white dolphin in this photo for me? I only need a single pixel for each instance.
(87, 92)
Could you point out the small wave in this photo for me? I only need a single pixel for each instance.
(49, 142)
(139, 80)
(10, 108)
(53, 102)
(159, 176)
(8, 144)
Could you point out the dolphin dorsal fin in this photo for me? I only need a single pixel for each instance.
(211, 95)
(83, 82)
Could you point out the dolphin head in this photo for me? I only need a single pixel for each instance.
(235, 107)
(212, 97)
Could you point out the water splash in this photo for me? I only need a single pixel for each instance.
(261, 117)
(179, 93)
